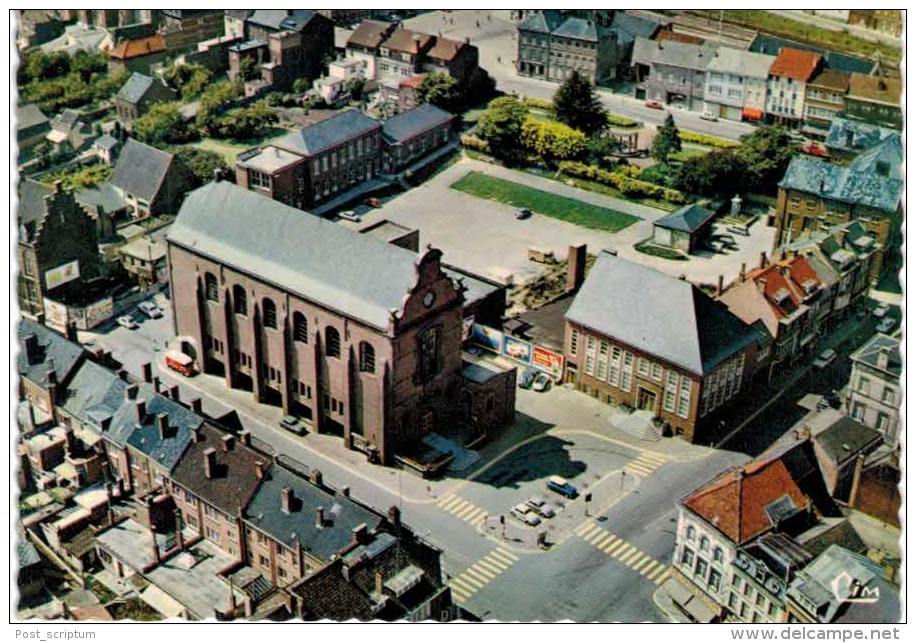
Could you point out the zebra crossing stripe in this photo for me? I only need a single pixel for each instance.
(639, 561)
(617, 548)
(589, 530)
(508, 554)
(629, 559)
(466, 512)
(459, 594)
(499, 563)
(662, 577)
(596, 536)
(649, 455)
(469, 580)
(643, 565)
(476, 515)
(485, 564)
(451, 502)
(604, 541)
(473, 574)
(478, 569)
(465, 587)
(582, 528)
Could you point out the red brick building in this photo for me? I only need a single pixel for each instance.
(358, 337)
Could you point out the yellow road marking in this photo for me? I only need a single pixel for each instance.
(452, 501)
(466, 587)
(638, 561)
(466, 512)
(616, 548)
(505, 552)
(629, 559)
(484, 563)
(608, 538)
(661, 578)
(583, 527)
(475, 575)
(478, 569)
(643, 565)
(469, 580)
(478, 514)
(589, 530)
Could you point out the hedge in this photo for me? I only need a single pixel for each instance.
(472, 142)
(705, 139)
(538, 103)
(628, 186)
(621, 121)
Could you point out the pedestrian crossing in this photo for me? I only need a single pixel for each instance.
(645, 464)
(462, 509)
(479, 575)
(622, 551)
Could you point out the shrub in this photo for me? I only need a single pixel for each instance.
(538, 103)
(705, 139)
(473, 143)
(625, 169)
(630, 187)
(621, 121)
(552, 140)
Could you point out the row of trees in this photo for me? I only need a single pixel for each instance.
(56, 81)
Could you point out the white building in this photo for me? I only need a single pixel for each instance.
(788, 78)
(340, 72)
(736, 84)
(874, 394)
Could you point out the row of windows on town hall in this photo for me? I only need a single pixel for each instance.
(300, 324)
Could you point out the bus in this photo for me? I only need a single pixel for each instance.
(178, 361)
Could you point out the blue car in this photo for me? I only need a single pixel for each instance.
(526, 378)
(561, 486)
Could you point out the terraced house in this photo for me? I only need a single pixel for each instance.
(789, 75)
(874, 395)
(736, 84)
(677, 355)
(671, 72)
(875, 99)
(815, 194)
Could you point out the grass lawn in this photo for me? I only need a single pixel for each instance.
(230, 149)
(551, 205)
(649, 248)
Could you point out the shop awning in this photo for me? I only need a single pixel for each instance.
(752, 114)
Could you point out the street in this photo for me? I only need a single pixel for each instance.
(494, 34)
(605, 556)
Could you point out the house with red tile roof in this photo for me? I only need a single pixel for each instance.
(788, 297)
(788, 78)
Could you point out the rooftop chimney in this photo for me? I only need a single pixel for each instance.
(720, 285)
(360, 533)
(287, 498)
(345, 491)
(197, 405)
(743, 271)
(884, 355)
(394, 516)
(71, 331)
(763, 260)
(210, 462)
(379, 583)
(228, 442)
(850, 138)
(315, 477)
(157, 384)
(30, 342)
(52, 371)
(147, 369)
(196, 435)
(122, 373)
(176, 394)
(575, 267)
(682, 277)
(245, 437)
(259, 470)
(130, 393)
(319, 517)
(141, 410)
(162, 421)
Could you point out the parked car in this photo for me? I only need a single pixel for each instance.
(829, 401)
(709, 116)
(526, 378)
(654, 104)
(292, 424)
(825, 359)
(349, 215)
(881, 310)
(886, 324)
(524, 513)
(540, 507)
(737, 229)
(815, 149)
(126, 321)
(561, 486)
(373, 202)
(150, 309)
(541, 382)
(524, 213)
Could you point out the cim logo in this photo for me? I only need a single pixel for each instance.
(846, 589)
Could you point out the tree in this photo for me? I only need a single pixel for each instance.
(301, 85)
(441, 90)
(188, 80)
(667, 141)
(356, 86)
(764, 156)
(248, 69)
(199, 166)
(214, 102)
(501, 126)
(245, 122)
(713, 174)
(576, 104)
(600, 150)
(162, 124)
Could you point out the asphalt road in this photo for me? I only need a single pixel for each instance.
(495, 37)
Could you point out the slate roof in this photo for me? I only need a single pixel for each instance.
(869, 354)
(29, 115)
(369, 33)
(542, 21)
(666, 317)
(859, 183)
(414, 122)
(103, 195)
(141, 169)
(797, 64)
(93, 394)
(846, 438)
(342, 515)
(728, 60)
(234, 478)
(628, 27)
(328, 133)
(577, 29)
(145, 437)
(135, 88)
(856, 136)
(737, 506)
(879, 89)
(356, 275)
(767, 44)
(689, 218)
(682, 54)
(51, 345)
(138, 47)
(26, 554)
(31, 200)
(644, 51)
(281, 19)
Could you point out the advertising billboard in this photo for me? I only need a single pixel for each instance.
(517, 349)
(489, 338)
(62, 274)
(547, 361)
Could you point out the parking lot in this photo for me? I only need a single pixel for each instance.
(448, 218)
